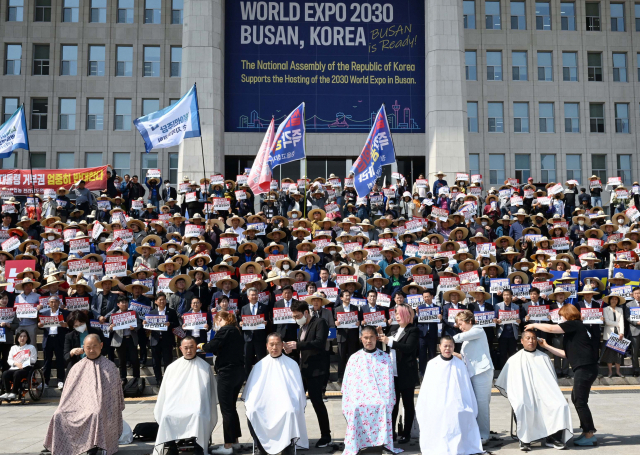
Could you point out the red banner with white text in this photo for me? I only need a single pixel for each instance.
(18, 181)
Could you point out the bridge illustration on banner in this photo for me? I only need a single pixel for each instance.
(399, 120)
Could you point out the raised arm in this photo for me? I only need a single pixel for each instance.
(549, 328)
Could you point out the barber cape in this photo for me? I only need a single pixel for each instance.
(447, 410)
(275, 400)
(186, 406)
(368, 398)
(529, 381)
(90, 410)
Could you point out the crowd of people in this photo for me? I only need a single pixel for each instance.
(310, 266)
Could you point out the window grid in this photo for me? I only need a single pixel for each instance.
(496, 169)
(496, 118)
(177, 7)
(67, 114)
(43, 11)
(124, 61)
(69, 65)
(520, 117)
(96, 60)
(152, 11)
(570, 66)
(95, 114)
(125, 11)
(543, 16)
(13, 59)
(151, 61)
(574, 168)
(519, 69)
(617, 17)
(176, 61)
(9, 106)
(548, 168)
(492, 15)
(599, 166)
(494, 65)
(571, 118)
(547, 120)
(594, 66)
(71, 11)
(93, 159)
(523, 167)
(518, 15)
(41, 60)
(622, 118)
(148, 161)
(123, 115)
(619, 67)
(593, 16)
(596, 118)
(568, 16)
(545, 66)
(15, 11)
(624, 168)
(472, 116)
(39, 111)
(470, 65)
(469, 14)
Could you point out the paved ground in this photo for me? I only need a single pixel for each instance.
(616, 412)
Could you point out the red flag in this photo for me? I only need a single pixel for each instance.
(260, 175)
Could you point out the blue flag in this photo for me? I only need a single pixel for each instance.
(13, 134)
(377, 151)
(288, 143)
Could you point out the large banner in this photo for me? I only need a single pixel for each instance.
(342, 59)
(18, 181)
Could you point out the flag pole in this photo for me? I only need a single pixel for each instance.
(305, 160)
(202, 146)
(33, 187)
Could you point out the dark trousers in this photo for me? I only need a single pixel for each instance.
(15, 377)
(313, 385)
(561, 365)
(55, 346)
(4, 356)
(107, 350)
(409, 410)
(345, 350)
(258, 446)
(230, 381)
(161, 353)
(427, 351)
(583, 379)
(254, 351)
(128, 351)
(635, 350)
(507, 347)
(143, 341)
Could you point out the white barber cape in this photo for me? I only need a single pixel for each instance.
(447, 410)
(187, 403)
(529, 381)
(275, 400)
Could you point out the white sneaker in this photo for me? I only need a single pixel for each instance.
(12, 396)
(4, 396)
(220, 450)
(60, 385)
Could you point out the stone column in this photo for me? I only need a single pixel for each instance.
(203, 63)
(446, 97)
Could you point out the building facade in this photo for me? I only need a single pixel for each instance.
(547, 89)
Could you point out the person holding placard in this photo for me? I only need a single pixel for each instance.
(289, 331)
(613, 324)
(125, 341)
(9, 324)
(347, 338)
(22, 356)
(28, 296)
(507, 331)
(254, 339)
(594, 327)
(53, 341)
(632, 316)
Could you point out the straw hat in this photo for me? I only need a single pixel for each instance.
(413, 284)
(129, 288)
(145, 246)
(351, 269)
(588, 290)
(607, 298)
(235, 217)
(461, 295)
(22, 274)
(620, 276)
(194, 259)
(303, 260)
(186, 278)
(389, 269)
(461, 265)
(344, 285)
(525, 278)
(83, 284)
(494, 264)
(556, 292)
(542, 273)
(363, 267)
(221, 281)
(479, 290)
(464, 231)
(51, 279)
(507, 238)
(621, 243)
(590, 257)
(257, 267)
(304, 243)
(378, 276)
(163, 266)
(316, 295)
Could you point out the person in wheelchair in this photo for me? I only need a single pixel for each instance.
(22, 356)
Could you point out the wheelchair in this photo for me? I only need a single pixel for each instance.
(33, 386)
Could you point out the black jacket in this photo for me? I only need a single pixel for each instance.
(165, 339)
(227, 345)
(406, 348)
(257, 336)
(342, 335)
(288, 332)
(312, 348)
(72, 341)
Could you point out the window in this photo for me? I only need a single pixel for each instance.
(472, 116)
(38, 160)
(548, 168)
(596, 117)
(547, 121)
(518, 16)
(521, 118)
(624, 169)
(65, 160)
(474, 163)
(13, 58)
(176, 61)
(593, 16)
(16, 10)
(39, 109)
(96, 60)
(152, 11)
(574, 168)
(176, 11)
(149, 161)
(492, 15)
(494, 65)
(43, 11)
(11, 162)
(9, 106)
(67, 114)
(496, 169)
(523, 167)
(173, 168)
(571, 118)
(622, 117)
(469, 12)
(543, 16)
(568, 16)
(496, 118)
(594, 68)
(125, 11)
(617, 17)
(69, 61)
(545, 67)
(71, 11)
(150, 106)
(122, 163)
(124, 61)
(41, 60)
(619, 67)
(599, 166)
(93, 159)
(173, 101)
(519, 68)
(98, 11)
(95, 114)
(637, 14)
(470, 65)
(570, 66)
(638, 65)
(151, 61)
(123, 115)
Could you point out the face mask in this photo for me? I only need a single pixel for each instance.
(172, 250)
(275, 251)
(194, 241)
(302, 321)
(230, 263)
(81, 328)
(524, 269)
(620, 220)
(484, 223)
(581, 222)
(332, 251)
(285, 266)
(51, 237)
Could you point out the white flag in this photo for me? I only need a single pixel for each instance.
(13, 134)
(260, 175)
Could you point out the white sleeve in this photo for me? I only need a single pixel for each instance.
(34, 355)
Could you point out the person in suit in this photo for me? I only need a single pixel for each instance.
(103, 304)
(317, 309)
(535, 300)
(348, 342)
(594, 330)
(255, 341)
(428, 338)
(73, 341)
(125, 342)
(162, 343)
(507, 333)
(288, 332)
(476, 354)
(53, 342)
(311, 343)
(454, 297)
(557, 339)
(480, 305)
(403, 339)
(634, 328)
(324, 281)
(372, 307)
